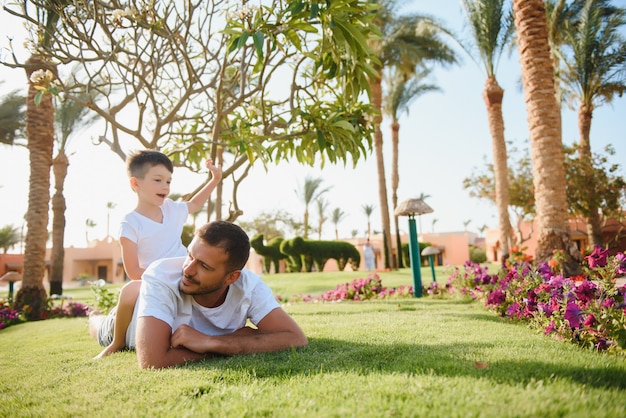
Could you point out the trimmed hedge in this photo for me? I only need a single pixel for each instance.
(271, 252)
(306, 253)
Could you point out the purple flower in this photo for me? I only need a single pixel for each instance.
(620, 258)
(585, 291)
(495, 297)
(573, 314)
(514, 310)
(545, 308)
(550, 328)
(602, 344)
(608, 303)
(556, 281)
(597, 258)
(545, 270)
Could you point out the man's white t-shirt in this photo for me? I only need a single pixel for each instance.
(248, 298)
(157, 240)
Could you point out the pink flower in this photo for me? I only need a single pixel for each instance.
(597, 258)
(590, 321)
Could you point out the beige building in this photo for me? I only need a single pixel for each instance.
(613, 235)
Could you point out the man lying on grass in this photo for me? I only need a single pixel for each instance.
(195, 307)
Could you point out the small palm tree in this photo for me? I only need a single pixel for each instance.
(466, 223)
(407, 42)
(423, 196)
(311, 191)
(110, 207)
(403, 90)
(336, 217)
(89, 223)
(9, 237)
(492, 27)
(595, 74)
(368, 210)
(322, 205)
(12, 118)
(70, 118)
(433, 222)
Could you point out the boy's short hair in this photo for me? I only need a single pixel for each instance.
(138, 163)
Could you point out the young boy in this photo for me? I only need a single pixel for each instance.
(151, 232)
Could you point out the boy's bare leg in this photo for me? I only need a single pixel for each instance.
(123, 316)
(95, 320)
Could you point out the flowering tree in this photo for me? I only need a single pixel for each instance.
(241, 83)
(196, 78)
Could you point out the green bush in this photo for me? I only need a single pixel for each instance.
(477, 254)
(306, 253)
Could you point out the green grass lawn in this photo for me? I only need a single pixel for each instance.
(397, 358)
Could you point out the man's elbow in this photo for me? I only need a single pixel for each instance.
(300, 340)
(149, 362)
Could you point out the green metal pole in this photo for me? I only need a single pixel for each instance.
(431, 261)
(10, 293)
(416, 266)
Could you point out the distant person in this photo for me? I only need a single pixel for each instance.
(196, 307)
(369, 256)
(150, 232)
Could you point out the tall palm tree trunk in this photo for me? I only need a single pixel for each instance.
(493, 95)
(40, 136)
(377, 99)
(395, 181)
(594, 223)
(545, 134)
(59, 167)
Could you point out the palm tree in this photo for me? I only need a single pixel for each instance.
(70, 118)
(433, 222)
(545, 133)
(407, 42)
(89, 223)
(336, 217)
(423, 196)
(466, 223)
(403, 90)
(492, 29)
(41, 73)
(595, 74)
(368, 210)
(560, 15)
(310, 192)
(12, 118)
(9, 237)
(322, 205)
(110, 206)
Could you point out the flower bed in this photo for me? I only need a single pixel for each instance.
(588, 310)
(57, 308)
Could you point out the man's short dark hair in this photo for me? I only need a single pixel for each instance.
(229, 237)
(138, 163)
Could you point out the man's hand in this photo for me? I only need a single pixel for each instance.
(189, 338)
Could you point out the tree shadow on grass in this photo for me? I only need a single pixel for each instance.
(324, 355)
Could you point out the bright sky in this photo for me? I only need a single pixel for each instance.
(442, 139)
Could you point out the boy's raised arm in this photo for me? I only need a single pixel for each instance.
(199, 199)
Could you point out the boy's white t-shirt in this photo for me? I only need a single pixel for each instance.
(157, 240)
(248, 298)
